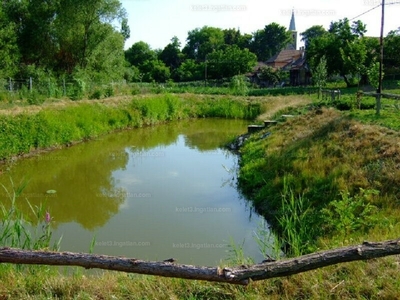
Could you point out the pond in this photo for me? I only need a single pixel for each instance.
(150, 193)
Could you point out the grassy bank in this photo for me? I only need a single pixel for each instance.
(324, 179)
(62, 125)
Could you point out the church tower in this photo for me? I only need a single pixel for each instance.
(292, 29)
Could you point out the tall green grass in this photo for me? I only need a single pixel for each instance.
(54, 127)
(295, 217)
(17, 230)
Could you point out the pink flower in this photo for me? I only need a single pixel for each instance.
(47, 217)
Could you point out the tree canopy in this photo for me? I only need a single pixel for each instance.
(67, 38)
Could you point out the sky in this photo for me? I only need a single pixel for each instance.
(157, 21)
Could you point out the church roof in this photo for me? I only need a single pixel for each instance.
(292, 26)
(285, 56)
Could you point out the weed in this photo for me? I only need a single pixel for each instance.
(296, 224)
(351, 214)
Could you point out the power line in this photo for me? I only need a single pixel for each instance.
(366, 12)
(379, 5)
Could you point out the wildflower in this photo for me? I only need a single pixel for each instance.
(47, 217)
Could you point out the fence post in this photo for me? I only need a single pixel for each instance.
(64, 90)
(10, 85)
(30, 84)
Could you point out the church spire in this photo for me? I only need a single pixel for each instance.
(292, 26)
(292, 29)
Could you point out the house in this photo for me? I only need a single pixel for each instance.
(292, 60)
(255, 75)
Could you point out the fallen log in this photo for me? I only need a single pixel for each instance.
(235, 275)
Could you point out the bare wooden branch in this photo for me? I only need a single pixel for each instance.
(236, 275)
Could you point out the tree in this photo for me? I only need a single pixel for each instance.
(234, 37)
(391, 56)
(125, 30)
(373, 75)
(270, 75)
(269, 41)
(344, 48)
(201, 42)
(320, 75)
(158, 71)
(82, 26)
(9, 51)
(312, 33)
(171, 55)
(230, 62)
(189, 70)
(139, 54)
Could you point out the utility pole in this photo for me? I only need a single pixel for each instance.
(379, 91)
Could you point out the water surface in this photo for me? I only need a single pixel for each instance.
(150, 193)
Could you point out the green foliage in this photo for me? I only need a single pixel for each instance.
(295, 218)
(311, 33)
(97, 93)
(202, 41)
(20, 231)
(271, 75)
(351, 214)
(391, 51)
(109, 91)
(269, 41)
(34, 98)
(320, 75)
(190, 70)
(373, 75)
(239, 85)
(229, 62)
(236, 254)
(344, 48)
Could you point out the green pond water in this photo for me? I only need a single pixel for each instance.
(151, 193)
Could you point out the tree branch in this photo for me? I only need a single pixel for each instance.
(235, 275)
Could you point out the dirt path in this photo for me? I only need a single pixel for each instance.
(274, 104)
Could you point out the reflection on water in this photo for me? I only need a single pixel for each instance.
(150, 193)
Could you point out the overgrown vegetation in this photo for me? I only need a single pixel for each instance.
(25, 132)
(329, 171)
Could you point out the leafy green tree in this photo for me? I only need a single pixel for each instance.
(230, 62)
(159, 72)
(125, 30)
(9, 51)
(239, 85)
(373, 75)
(312, 33)
(344, 48)
(189, 70)
(269, 41)
(139, 54)
(391, 55)
(233, 36)
(202, 41)
(171, 55)
(320, 75)
(82, 27)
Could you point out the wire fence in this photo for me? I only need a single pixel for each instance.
(57, 88)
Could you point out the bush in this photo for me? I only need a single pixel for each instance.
(109, 91)
(95, 95)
